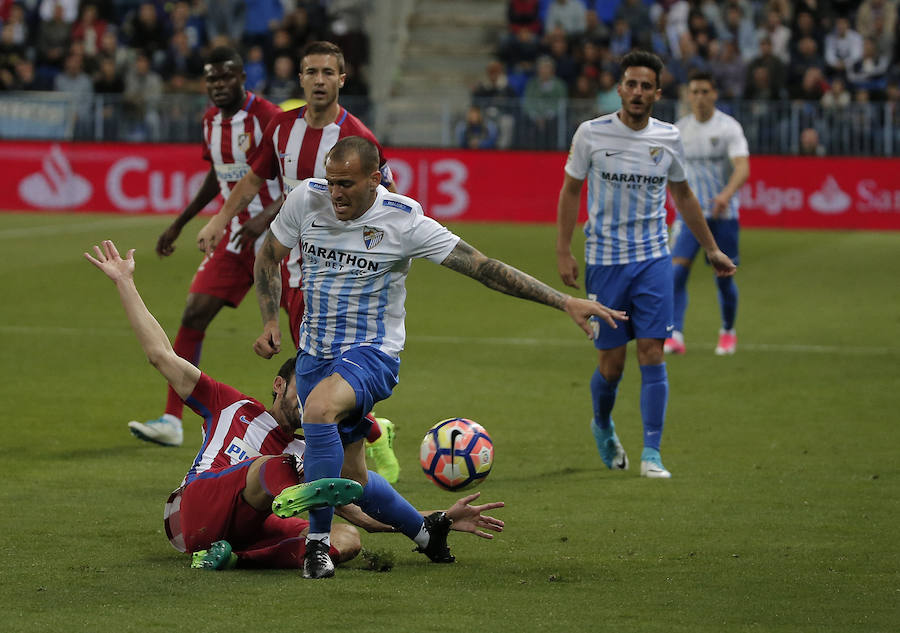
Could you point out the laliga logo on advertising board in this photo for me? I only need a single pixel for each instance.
(57, 186)
(828, 199)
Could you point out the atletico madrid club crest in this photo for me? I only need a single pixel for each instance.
(244, 142)
(656, 154)
(372, 237)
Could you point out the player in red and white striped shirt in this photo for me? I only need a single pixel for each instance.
(232, 129)
(248, 457)
(294, 146)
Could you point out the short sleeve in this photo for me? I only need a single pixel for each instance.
(676, 169)
(579, 161)
(262, 158)
(209, 396)
(737, 142)
(429, 239)
(287, 224)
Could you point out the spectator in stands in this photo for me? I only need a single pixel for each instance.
(108, 79)
(48, 10)
(520, 52)
(143, 90)
(523, 14)
(870, 71)
(637, 16)
(282, 44)
(566, 66)
(110, 48)
(543, 102)
(843, 47)
(729, 71)
(255, 69)
(302, 29)
(778, 35)
(740, 30)
(10, 52)
(53, 42)
(498, 100)
(183, 60)
(837, 97)
(25, 76)
(80, 89)
(183, 17)
(620, 42)
(812, 86)
(595, 29)
(476, 132)
(877, 19)
(776, 73)
(145, 31)
(569, 14)
(226, 18)
(19, 25)
(659, 41)
(688, 60)
(805, 27)
(608, 99)
(806, 56)
(809, 143)
(283, 83)
(262, 17)
(89, 30)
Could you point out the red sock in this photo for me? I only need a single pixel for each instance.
(375, 431)
(188, 344)
(277, 474)
(286, 554)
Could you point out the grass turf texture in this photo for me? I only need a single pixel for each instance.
(781, 515)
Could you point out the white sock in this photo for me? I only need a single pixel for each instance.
(421, 539)
(318, 536)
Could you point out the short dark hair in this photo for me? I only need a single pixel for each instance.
(702, 75)
(223, 55)
(286, 371)
(642, 58)
(369, 159)
(323, 48)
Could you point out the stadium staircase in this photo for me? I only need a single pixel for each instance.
(430, 53)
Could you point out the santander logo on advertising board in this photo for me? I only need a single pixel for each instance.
(130, 184)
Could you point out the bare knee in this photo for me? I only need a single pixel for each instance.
(650, 351)
(345, 539)
(611, 363)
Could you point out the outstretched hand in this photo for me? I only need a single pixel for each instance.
(469, 518)
(110, 262)
(581, 310)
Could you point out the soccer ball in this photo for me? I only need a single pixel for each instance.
(456, 454)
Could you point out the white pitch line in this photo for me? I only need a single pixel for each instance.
(75, 227)
(521, 342)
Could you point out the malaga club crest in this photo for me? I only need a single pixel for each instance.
(656, 154)
(372, 237)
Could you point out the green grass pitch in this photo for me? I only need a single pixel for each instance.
(782, 514)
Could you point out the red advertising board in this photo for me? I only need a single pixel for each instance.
(452, 185)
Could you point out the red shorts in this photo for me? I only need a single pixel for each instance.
(226, 274)
(211, 509)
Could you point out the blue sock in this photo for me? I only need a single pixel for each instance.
(654, 396)
(380, 501)
(680, 276)
(323, 457)
(728, 301)
(603, 395)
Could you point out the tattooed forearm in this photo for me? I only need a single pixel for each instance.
(502, 277)
(267, 275)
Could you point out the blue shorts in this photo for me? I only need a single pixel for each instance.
(643, 290)
(372, 374)
(685, 245)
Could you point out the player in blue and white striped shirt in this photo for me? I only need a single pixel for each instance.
(628, 158)
(718, 165)
(358, 241)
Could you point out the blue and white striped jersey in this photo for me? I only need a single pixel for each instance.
(627, 172)
(354, 272)
(709, 148)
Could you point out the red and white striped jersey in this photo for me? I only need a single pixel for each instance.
(295, 151)
(228, 144)
(235, 428)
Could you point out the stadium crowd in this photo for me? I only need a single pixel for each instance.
(555, 65)
(559, 53)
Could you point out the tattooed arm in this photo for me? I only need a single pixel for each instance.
(267, 275)
(504, 278)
